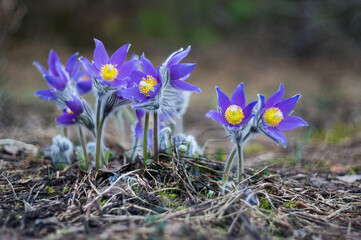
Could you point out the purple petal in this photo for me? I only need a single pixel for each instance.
(66, 118)
(177, 57)
(100, 54)
(180, 70)
(276, 135)
(248, 110)
(276, 97)
(137, 76)
(46, 94)
(139, 127)
(61, 71)
(148, 66)
(75, 105)
(246, 119)
(131, 94)
(217, 116)
(287, 104)
(155, 91)
(223, 100)
(126, 69)
(261, 98)
(120, 55)
(56, 82)
(84, 87)
(291, 122)
(40, 68)
(238, 97)
(52, 59)
(89, 67)
(71, 64)
(180, 84)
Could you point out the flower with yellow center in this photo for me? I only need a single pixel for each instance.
(273, 116)
(234, 114)
(147, 84)
(109, 72)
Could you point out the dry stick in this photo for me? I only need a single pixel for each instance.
(155, 137)
(108, 189)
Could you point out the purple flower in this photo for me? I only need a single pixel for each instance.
(112, 71)
(146, 86)
(179, 72)
(72, 113)
(55, 75)
(275, 115)
(58, 75)
(232, 113)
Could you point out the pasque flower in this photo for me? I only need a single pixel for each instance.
(146, 86)
(232, 113)
(58, 77)
(179, 72)
(275, 115)
(112, 71)
(72, 113)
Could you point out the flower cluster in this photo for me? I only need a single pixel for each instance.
(159, 96)
(116, 84)
(242, 121)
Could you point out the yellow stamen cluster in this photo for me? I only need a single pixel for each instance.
(69, 111)
(273, 116)
(109, 72)
(147, 84)
(234, 114)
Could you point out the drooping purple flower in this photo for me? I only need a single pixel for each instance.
(146, 86)
(113, 71)
(179, 72)
(233, 113)
(275, 115)
(72, 113)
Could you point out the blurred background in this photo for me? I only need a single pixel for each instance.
(312, 46)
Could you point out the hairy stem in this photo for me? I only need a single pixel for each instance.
(98, 150)
(228, 164)
(155, 137)
(240, 162)
(134, 149)
(83, 144)
(145, 136)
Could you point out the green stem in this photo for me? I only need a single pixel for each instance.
(228, 164)
(135, 146)
(83, 144)
(240, 162)
(98, 113)
(170, 148)
(65, 132)
(145, 136)
(129, 115)
(98, 146)
(155, 137)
